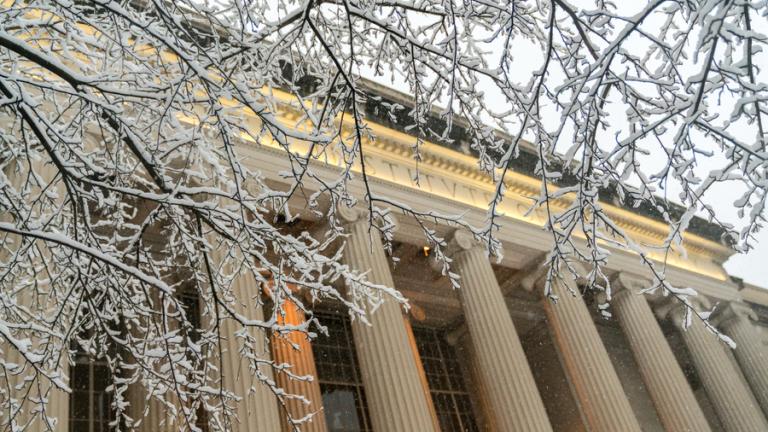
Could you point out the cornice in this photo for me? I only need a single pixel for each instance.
(463, 169)
(754, 294)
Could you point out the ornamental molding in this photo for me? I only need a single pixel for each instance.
(731, 313)
(671, 308)
(624, 281)
(450, 173)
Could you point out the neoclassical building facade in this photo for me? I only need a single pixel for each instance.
(494, 355)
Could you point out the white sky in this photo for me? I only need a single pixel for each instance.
(752, 267)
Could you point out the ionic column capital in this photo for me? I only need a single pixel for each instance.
(461, 244)
(460, 241)
(671, 308)
(731, 313)
(628, 282)
(535, 276)
(349, 215)
(624, 284)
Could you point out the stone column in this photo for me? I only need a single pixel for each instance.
(396, 400)
(295, 350)
(735, 319)
(470, 365)
(422, 373)
(502, 366)
(733, 401)
(672, 396)
(58, 405)
(590, 372)
(57, 408)
(258, 409)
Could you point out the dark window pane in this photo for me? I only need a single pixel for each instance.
(78, 425)
(101, 378)
(80, 405)
(90, 403)
(81, 377)
(340, 405)
(190, 301)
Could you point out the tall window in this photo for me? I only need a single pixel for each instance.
(446, 382)
(90, 404)
(338, 374)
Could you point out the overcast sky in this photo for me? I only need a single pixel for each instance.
(752, 267)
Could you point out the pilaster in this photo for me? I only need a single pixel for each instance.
(294, 349)
(422, 373)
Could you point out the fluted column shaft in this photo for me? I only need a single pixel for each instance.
(294, 349)
(589, 369)
(736, 322)
(486, 418)
(732, 400)
(57, 408)
(59, 405)
(422, 373)
(673, 398)
(257, 410)
(396, 400)
(502, 365)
